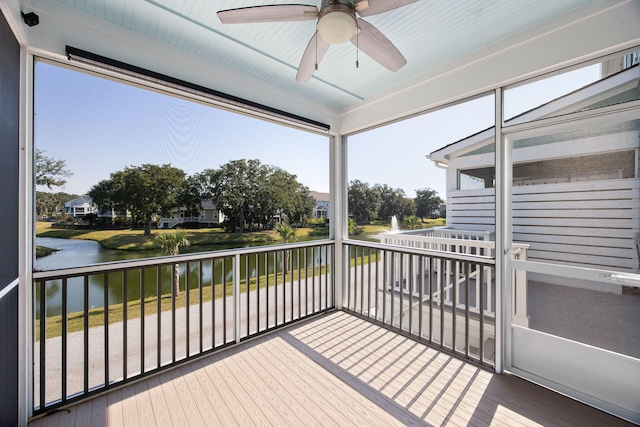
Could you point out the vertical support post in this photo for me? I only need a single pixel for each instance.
(503, 234)
(338, 215)
(236, 297)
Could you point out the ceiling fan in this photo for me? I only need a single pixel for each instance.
(337, 23)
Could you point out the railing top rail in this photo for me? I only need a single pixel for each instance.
(168, 260)
(450, 241)
(478, 259)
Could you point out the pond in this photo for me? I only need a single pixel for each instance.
(76, 253)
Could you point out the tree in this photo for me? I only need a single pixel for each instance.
(170, 243)
(249, 193)
(393, 201)
(49, 171)
(50, 204)
(364, 201)
(427, 201)
(145, 191)
(412, 221)
(286, 232)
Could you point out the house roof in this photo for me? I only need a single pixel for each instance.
(81, 200)
(320, 197)
(579, 99)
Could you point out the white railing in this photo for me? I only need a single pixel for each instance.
(468, 243)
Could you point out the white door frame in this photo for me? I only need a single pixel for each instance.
(598, 377)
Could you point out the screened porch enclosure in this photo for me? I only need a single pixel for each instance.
(521, 310)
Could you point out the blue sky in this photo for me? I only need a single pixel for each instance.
(99, 126)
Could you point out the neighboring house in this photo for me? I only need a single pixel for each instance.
(81, 206)
(575, 194)
(209, 216)
(321, 210)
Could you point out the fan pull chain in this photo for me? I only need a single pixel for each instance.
(357, 48)
(316, 50)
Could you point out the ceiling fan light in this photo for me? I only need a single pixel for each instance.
(336, 27)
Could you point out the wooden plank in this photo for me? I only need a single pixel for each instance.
(607, 252)
(583, 260)
(159, 406)
(575, 222)
(99, 411)
(624, 233)
(129, 407)
(170, 394)
(615, 204)
(143, 403)
(595, 214)
(186, 399)
(584, 240)
(213, 393)
(235, 397)
(206, 408)
(114, 408)
(83, 414)
(585, 186)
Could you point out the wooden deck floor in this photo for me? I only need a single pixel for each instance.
(332, 370)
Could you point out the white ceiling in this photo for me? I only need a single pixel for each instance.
(453, 47)
(429, 33)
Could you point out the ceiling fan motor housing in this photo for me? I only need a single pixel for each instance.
(337, 22)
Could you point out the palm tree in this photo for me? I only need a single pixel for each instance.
(170, 243)
(286, 232)
(412, 221)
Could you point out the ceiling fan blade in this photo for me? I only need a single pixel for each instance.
(272, 13)
(313, 54)
(379, 6)
(377, 46)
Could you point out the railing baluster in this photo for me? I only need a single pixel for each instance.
(313, 279)
(466, 308)
(420, 294)
(369, 283)
(224, 300)
(299, 286)
(125, 307)
(432, 278)
(247, 294)
(481, 280)
(266, 274)
(106, 329)
(43, 340)
(284, 286)
(362, 281)
(306, 283)
(385, 272)
(393, 286)
(291, 287)
(173, 314)
(200, 301)
(142, 340)
(213, 303)
(411, 280)
(237, 316)
(187, 308)
(443, 275)
(86, 333)
(258, 292)
(454, 304)
(158, 316)
(64, 339)
(402, 282)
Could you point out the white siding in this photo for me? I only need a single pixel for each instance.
(584, 223)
